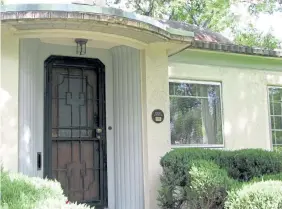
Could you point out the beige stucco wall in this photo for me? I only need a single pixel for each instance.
(9, 100)
(154, 89)
(156, 140)
(244, 93)
(245, 101)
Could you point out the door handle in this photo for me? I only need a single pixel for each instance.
(98, 133)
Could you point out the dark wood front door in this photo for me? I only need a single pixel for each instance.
(75, 140)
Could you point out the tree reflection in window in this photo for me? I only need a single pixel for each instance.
(195, 113)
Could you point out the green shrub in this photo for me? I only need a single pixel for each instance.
(206, 188)
(277, 148)
(55, 204)
(277, 177)
(208, 185)
(259, 195)
(240, 166)
(20, 191)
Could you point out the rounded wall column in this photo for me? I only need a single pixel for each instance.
(129, 192)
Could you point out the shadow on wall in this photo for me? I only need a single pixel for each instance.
(9, 132)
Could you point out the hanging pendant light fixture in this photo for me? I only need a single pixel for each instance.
(81, 46)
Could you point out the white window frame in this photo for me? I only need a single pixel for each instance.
(269, 115)
(216, 83)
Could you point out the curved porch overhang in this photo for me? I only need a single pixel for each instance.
(139, 78)
(68, 21)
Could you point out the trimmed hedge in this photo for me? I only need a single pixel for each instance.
(273, 177)
(19, 191)
(206, 187)
(201, 178)
(260, 195)
(242, 165)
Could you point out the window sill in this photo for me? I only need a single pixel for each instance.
(198, 146)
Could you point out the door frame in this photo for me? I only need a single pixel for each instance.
(33, 53)
(47, 148)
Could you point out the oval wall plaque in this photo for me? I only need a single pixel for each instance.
(158, 116)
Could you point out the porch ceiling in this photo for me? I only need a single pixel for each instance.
(90, 18)
(94, 26)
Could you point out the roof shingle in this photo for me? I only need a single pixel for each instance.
(209, 40)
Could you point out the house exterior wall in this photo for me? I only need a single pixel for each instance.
(9, 100)
(244, 94)
(246, 122)
(156, 140)
(24, 78)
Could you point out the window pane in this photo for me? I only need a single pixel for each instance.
(197, 120)
(275, 108)
(171, 88)
(273, 137)
(208, 90)
(275, 98)
(272, 122)
(275, 94)
(278, 137)
(186, 123)
(183, 89)
(277, 122)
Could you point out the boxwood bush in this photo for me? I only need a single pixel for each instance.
(201, 178)
(242, 165)
(277, 177)
(260, 195)
(21, 192)
(208, 185)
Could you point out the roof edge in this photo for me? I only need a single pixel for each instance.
(236, 49)
(89, 9)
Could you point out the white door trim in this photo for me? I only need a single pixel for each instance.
(110, 136)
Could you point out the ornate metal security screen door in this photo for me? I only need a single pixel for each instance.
(75, 141)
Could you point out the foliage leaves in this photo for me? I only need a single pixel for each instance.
(215, 15)
(266, 6)
(201, 178)
(263, 195)
(20, 191)
(254, 38)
